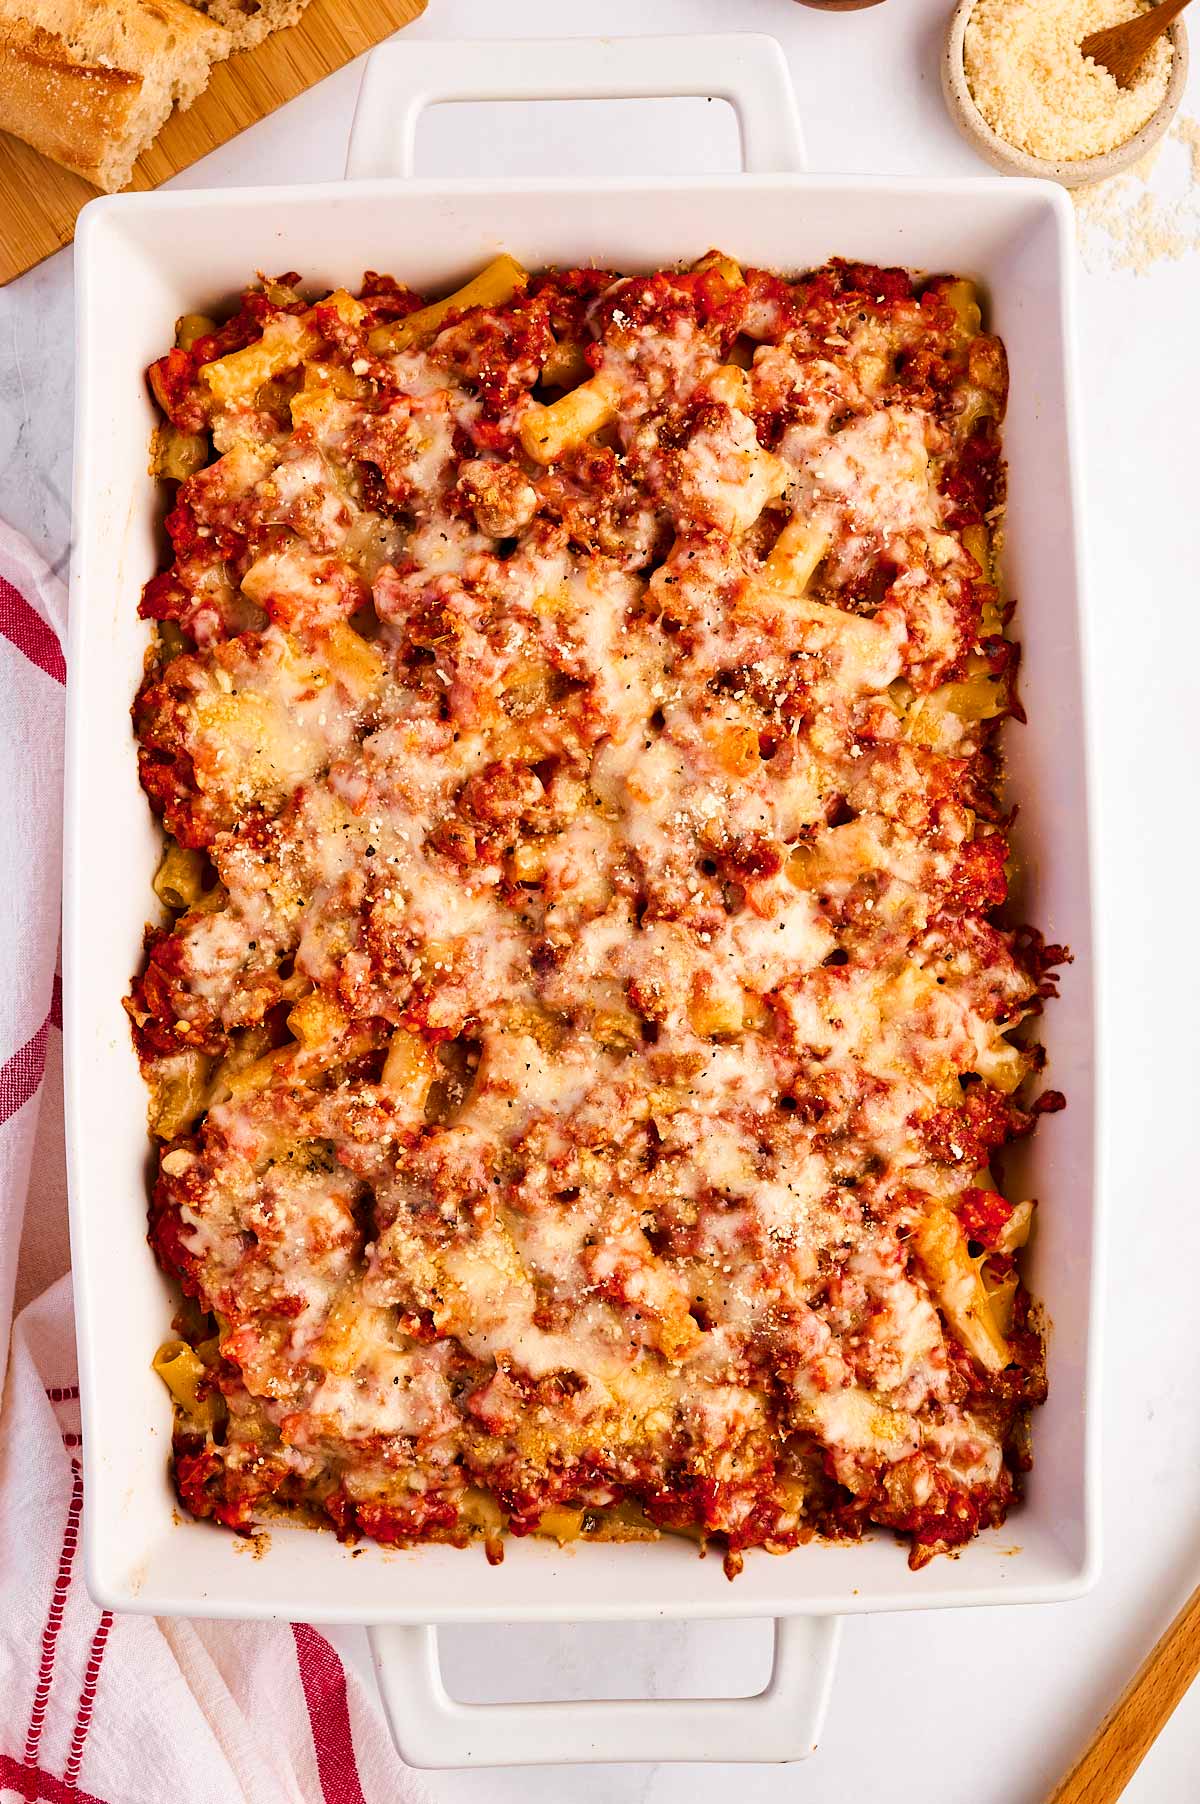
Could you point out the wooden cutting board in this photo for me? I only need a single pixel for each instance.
(39, 201)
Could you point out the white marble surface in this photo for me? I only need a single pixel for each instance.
(990, 1704)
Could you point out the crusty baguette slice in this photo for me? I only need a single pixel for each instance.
(250, 21)
(90, 82)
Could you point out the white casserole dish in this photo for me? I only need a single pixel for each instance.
(144, 259)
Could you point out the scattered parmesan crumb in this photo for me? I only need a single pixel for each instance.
(1187, 131)
(1038, 92)
(1130, 224)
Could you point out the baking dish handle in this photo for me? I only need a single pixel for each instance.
(781, 1723)
(405, 76)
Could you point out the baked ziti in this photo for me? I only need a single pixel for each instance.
(582, 1038)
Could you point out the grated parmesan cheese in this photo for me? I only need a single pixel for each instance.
(1037, 91)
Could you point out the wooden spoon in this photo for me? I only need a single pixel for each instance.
(1131, 1727)
(1121, 47)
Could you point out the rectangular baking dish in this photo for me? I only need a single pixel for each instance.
(144, 259)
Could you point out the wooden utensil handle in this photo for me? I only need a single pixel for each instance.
(1125, 1736)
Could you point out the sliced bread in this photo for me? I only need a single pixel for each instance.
(90, 82)
(250, 21)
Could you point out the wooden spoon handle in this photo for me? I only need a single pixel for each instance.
(1125, 1736)
(1121, 48)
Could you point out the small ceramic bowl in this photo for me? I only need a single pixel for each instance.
(1080, 172)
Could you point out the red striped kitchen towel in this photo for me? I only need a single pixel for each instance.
(123, 1709)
